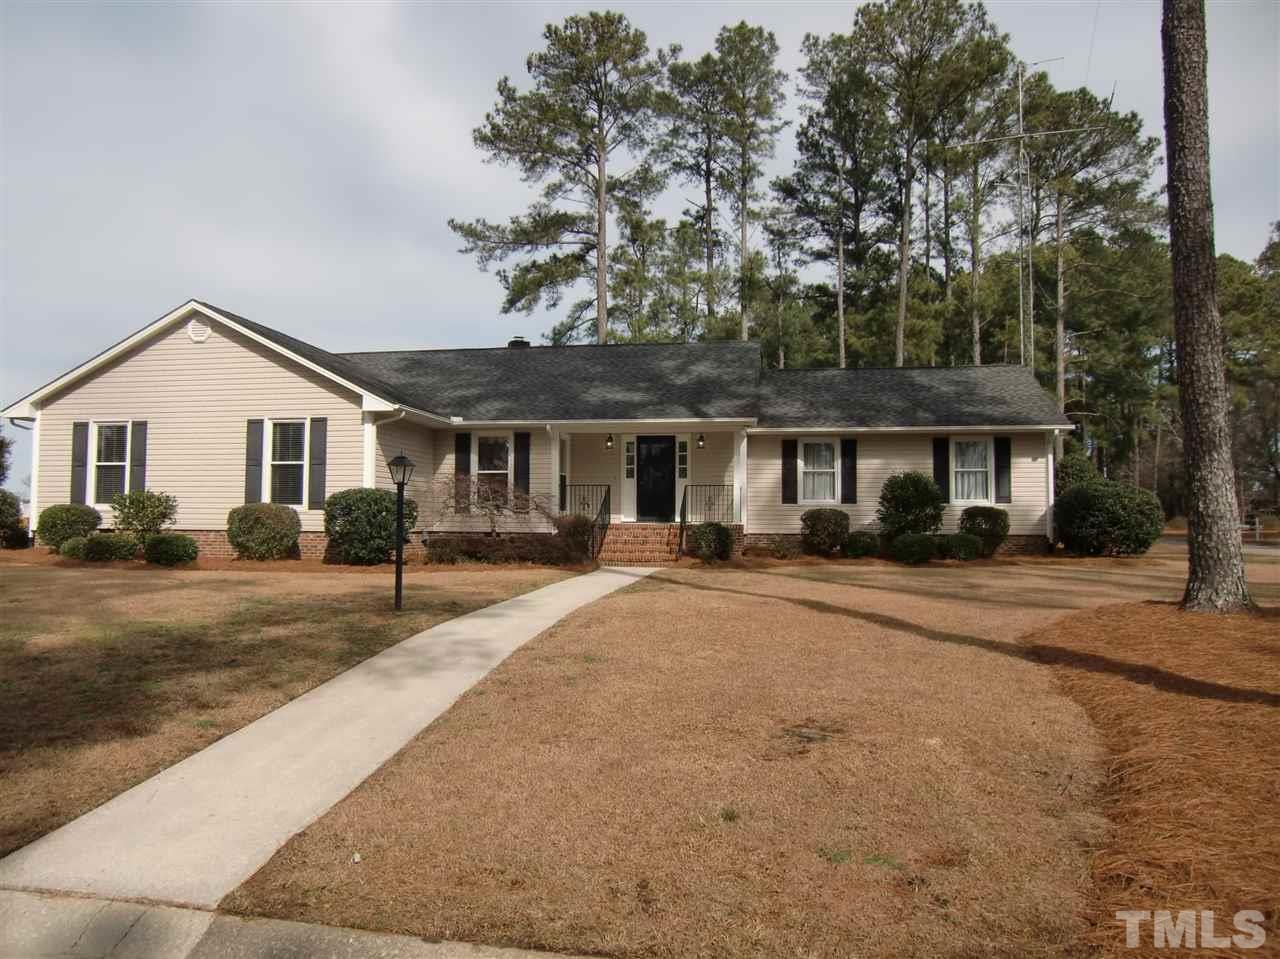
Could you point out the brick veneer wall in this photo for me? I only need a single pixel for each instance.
(1014, 545)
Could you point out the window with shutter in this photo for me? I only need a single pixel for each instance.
(111, 463)
(288, 461)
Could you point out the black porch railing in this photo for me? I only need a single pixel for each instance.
(592, 500)
(704, 503)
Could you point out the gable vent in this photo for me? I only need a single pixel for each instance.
(198, 331)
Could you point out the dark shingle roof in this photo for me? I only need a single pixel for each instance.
(925, 396)
(680, 381)
(624, 381)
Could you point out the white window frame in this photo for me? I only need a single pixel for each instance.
(989, 440)
(835, 456)
(268, 459)
(93, 458)
(510, 437)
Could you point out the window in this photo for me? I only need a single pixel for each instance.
(971, 461)
(288, 455)
(493, 460)
(682, 459)
(111, 463)
(629, 458)
(817, 471)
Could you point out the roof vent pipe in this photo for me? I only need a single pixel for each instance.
(517, 343)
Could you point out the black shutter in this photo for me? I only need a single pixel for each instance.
(522, 470)
(138, 455)
(318, 445)
(79, 461)
(462, 472)
(253, 461)
(789, 471)
(942, 466)
(1004, 480)
(848, 470)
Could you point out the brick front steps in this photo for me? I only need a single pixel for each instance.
(640, 544)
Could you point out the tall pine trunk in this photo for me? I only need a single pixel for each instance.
(742, 253)
(1216, 577)
(904, 251)
(975, 254)
(840, 290)
(709, 228)
(602, 261)
(945, 244)
(1060, 340)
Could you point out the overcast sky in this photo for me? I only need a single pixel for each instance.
(296, 163)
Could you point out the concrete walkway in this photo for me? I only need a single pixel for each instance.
(36, 926)
(194, 832)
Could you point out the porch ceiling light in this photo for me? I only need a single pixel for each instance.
(401, 468)
(702, 441)
(608, 442)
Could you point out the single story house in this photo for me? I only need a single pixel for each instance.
(219, 411)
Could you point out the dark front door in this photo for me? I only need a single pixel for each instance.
(655, 479)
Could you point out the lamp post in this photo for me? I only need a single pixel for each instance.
(401, 468)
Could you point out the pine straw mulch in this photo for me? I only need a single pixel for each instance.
(1188, 705)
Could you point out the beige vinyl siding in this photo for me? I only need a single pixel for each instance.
(714, 462)
(880, 455)
(196, 398)
(542, 486)
(417, 443)
(591, 463)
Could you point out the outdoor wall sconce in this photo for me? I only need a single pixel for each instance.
(608, 442)
(702, 441)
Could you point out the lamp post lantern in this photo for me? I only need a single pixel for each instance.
(401, 468)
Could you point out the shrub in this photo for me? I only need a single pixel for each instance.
(1073, 469)
(963, 546)
(989, 523)
(822, 531)
(59, 523)
(860, 543)
(73, 548)
(361, 524)
(1108, 518)
(785, 549)
(914, 548)
(263, 531)
(477, 548)
(445, 552)
(105, 547)
(12, 534)
(143, 512)
(575, 532)
(711, 541)
(910, 503)
(169, 549)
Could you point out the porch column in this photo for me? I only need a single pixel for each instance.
(368, 450)
(554, 434)
(1049, 446)
(740, 477)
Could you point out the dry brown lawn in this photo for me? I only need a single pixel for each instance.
(108, 675)
(813, 760)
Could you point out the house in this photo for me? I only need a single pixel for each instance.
(219, 410)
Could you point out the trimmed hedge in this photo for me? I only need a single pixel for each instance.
(61, 522)
(1107, 518)
(859, 544)
(543, 549)
(143, 512)
(264, 531)
(361, 524)
(823, 531)
(989, 524)
(73, 548)
(170, 549)
(575, 533)
(963, 546)
(712, 541)
(914, 548)
(105, 547)
(1073, 469)
(909, 503)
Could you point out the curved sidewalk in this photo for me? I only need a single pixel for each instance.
(197, 830)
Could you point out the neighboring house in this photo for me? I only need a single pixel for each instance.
(219, 411)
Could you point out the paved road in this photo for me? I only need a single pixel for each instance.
(194, 832)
